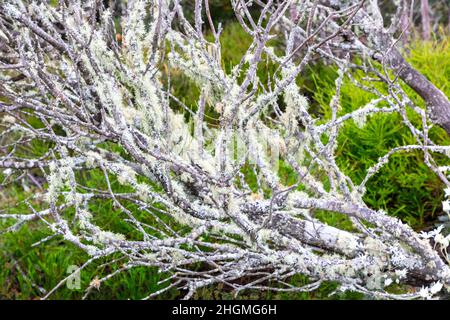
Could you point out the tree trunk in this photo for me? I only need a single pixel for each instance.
(448, 20)
(426, 21)
(405, 22)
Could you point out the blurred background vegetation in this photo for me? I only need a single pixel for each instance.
(405, 187)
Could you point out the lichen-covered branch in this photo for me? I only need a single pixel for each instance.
(105, 104)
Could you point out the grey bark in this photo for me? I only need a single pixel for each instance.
(405, 21)
(384, 51)
(438, 105)
(426, 21)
